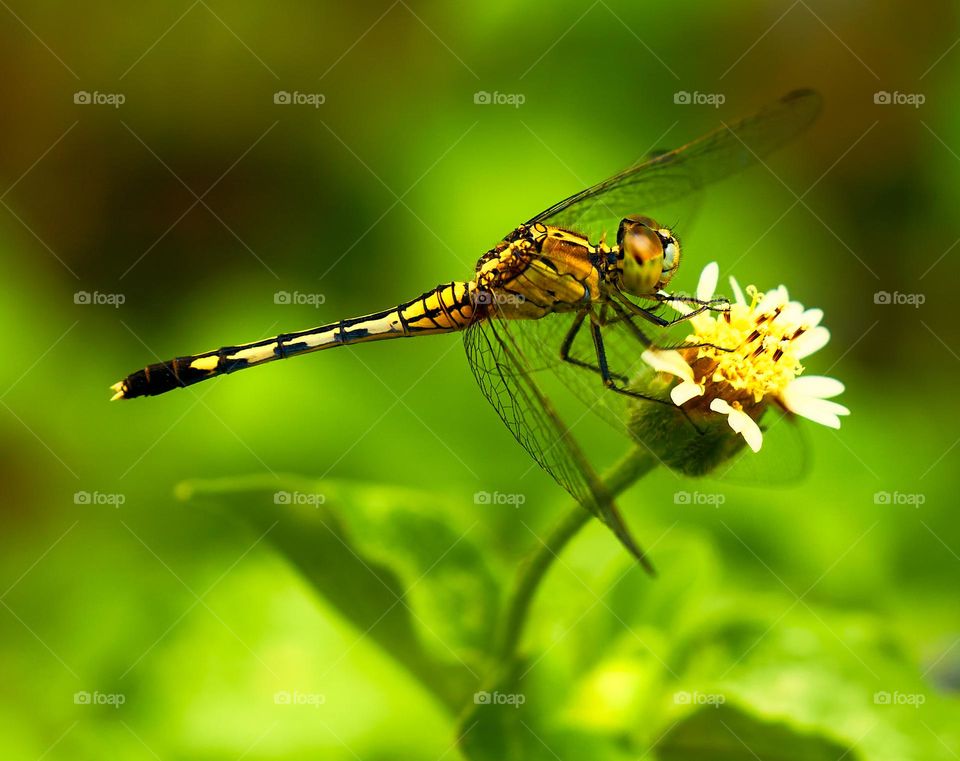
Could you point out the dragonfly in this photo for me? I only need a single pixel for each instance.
(553, 295)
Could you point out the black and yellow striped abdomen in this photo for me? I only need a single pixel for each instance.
(445, 309)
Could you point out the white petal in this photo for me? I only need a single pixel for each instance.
(741, 423)
(818, 410)
(737, 293)
(811, 318)
(816, 386)
(721, 406)
(708, 281)
(834, 407)
(811, 341)
(676, 306)
(772, 299)
(668, 361)
(791, 314)
(805, 396)
(685, 391)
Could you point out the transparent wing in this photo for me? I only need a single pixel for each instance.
(667, 177)
(501, 367)
(539, 341)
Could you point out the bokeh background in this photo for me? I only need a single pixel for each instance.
(813, 620)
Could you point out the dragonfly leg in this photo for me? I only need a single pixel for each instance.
(568, 344)
(644, 339)
(698, 345)
(661, 321)
(622, 316)
(609, 379)
(656, 319)
(717, 305)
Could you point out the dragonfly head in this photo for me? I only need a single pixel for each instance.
(649, 255)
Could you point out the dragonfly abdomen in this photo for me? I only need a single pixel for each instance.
(445, 309)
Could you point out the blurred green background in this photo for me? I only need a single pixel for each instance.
(211, 623)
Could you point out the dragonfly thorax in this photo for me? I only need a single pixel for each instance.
(647, 256)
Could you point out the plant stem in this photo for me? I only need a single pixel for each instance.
(631, 468)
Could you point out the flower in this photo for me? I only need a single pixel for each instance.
(741, 358)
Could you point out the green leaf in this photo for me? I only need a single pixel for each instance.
(390, 560)
(725, 733)
(505, 724)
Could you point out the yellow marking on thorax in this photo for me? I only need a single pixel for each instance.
(571, 254)
(553, 272)
(566, 236)
(545, 286)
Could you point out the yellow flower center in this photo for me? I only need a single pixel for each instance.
(750, 350)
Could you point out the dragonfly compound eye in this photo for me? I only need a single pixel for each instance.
(671, 255)
(641, 256)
